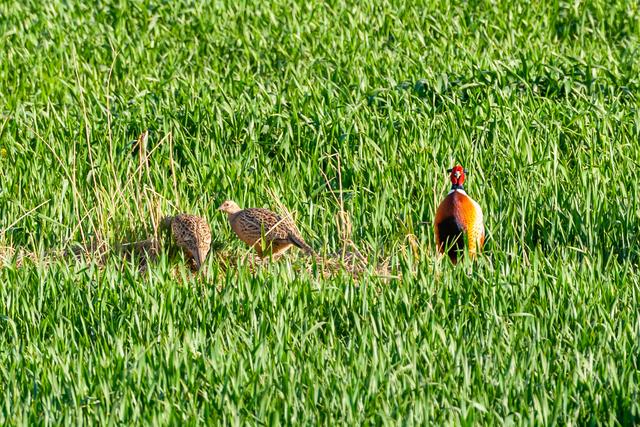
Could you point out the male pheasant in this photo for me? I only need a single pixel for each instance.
(457, 217)
(192, 234)
(263, 230)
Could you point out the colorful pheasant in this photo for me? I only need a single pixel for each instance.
(457, 217)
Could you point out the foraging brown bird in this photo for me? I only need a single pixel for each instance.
(192, 234)
(458, 216)
(265, 231)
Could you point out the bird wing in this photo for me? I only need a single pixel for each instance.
(297, 240)
(448, 230)
(267, 223)
(287, 227)
(444, 213)
(183, 230)
(203, 240)
(469, 215)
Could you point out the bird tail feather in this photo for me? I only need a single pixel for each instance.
(302, 245)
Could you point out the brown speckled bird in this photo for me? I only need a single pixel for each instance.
(458, 216)
(252, 224)
(192, 234)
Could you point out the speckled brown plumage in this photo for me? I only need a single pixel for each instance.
(265, 231)
(192, 234)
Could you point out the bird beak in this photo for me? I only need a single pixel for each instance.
(220, 207)
(457, 174)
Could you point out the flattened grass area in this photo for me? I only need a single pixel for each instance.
(301, 103)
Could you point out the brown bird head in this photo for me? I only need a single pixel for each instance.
(230, 207)
(457, 175)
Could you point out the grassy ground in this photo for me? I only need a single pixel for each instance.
(348, 114)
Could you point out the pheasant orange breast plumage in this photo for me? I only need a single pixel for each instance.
(457, 217)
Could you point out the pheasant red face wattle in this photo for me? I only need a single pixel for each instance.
(457, 175)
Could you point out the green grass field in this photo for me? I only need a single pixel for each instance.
(359, 104)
